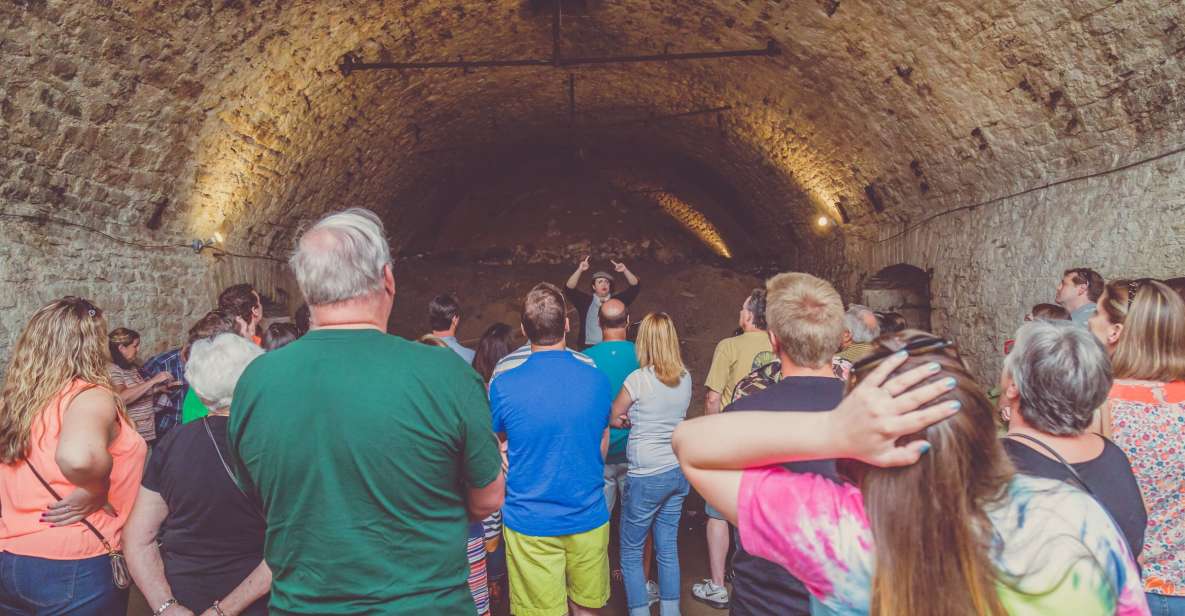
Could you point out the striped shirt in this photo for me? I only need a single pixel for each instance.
(518, 356)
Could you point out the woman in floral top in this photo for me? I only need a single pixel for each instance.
(1142, 323)
(953, 532)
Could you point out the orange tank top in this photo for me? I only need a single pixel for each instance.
(23, 499)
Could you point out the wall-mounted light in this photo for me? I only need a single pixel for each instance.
(198, 244)
(823, 221)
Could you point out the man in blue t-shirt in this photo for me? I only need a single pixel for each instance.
(553, 414)
(806, 322)
(617, 358)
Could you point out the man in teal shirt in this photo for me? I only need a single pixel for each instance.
(616, 357)
(370, 454)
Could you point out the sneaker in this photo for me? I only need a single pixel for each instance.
(652, 592)
(708, 592)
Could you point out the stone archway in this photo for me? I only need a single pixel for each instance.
(901, 288)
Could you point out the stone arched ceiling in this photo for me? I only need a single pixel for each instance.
(232, 116)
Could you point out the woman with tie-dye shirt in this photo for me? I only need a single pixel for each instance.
(953, 531)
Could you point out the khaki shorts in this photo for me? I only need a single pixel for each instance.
(546, 571)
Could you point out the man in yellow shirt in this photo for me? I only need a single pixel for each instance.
(735, 358)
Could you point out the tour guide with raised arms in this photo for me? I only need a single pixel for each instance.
(588, 307)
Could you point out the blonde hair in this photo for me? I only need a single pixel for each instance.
(1152, 345)
(658, 346)
(806, 317)
(64, 340)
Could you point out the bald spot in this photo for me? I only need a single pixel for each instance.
(613, 315)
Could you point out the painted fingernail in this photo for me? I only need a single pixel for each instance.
(925, 447)
(901, 354)
(954, 405)
(950, 382)
(933, 366)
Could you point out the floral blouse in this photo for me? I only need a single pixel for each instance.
(1148, 422)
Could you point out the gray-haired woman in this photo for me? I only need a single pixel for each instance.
(1053, 380)
(210, 555)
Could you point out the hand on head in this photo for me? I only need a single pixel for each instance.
(880, 410)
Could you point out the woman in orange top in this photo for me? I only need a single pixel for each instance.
(1142, 324)
(60, 419)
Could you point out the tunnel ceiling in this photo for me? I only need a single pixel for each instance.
(229, 115)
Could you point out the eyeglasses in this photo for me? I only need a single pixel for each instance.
(82, 307)
(920, 346)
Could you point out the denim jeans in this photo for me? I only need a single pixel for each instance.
(1166, 605)
(655, 500)
(44, 587)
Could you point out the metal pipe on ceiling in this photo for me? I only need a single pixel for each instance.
(350, 64)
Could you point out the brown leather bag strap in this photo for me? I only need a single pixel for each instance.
(54, 493)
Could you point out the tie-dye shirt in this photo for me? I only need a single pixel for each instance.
(817, 529)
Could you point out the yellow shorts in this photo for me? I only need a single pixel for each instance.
(545, 572)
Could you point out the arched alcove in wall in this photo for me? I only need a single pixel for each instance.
(901, 288)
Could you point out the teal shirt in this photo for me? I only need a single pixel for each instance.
(617, 359)
(360, 446)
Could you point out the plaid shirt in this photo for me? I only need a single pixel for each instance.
(167, 406)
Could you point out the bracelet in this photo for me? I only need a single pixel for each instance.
(164, 606)
(217, 607)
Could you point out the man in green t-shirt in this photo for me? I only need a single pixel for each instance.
(369, 453)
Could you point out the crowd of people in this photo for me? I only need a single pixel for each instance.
(850, 464)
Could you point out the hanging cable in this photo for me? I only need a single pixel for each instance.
(925, 221)
(43, 218)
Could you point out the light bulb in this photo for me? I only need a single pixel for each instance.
(823, 221)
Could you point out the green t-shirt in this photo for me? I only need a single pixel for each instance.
(360, 446)
(192, 407)
(617, 359)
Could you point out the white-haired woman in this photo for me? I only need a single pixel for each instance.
(1053, 380)
(210, 554)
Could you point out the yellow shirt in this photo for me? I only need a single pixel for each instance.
(736, 357)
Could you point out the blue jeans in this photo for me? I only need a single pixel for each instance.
(656, 500)
(1166, 605)
(31, 585)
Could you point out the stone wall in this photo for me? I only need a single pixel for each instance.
(159, 122)
(991, 264)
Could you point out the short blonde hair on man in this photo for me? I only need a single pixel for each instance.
(805, 316)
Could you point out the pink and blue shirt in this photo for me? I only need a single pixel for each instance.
(1057, 548)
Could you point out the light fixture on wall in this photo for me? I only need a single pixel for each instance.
(198, 244)
(823, 222)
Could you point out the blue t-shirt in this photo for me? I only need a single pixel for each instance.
(553, 410)
(617, 359)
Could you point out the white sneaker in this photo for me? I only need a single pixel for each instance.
(652, 592)
(708, 592)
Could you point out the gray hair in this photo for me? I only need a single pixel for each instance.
(854, 321)
(341, 257)
(215, 365)
(1062, 374)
